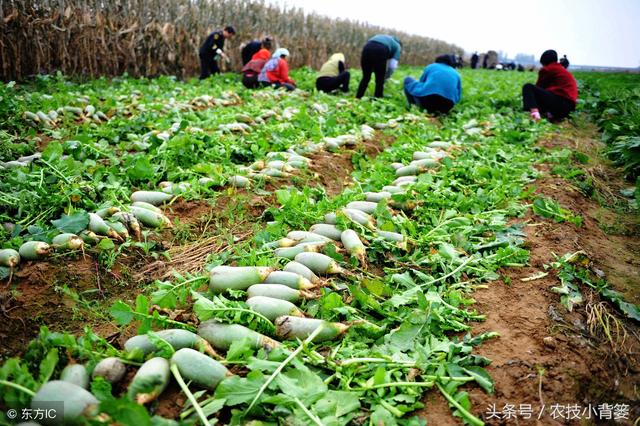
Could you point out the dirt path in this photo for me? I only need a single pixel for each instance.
(548, 367)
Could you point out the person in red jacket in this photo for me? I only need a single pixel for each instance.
(554, 94)
(276, 71)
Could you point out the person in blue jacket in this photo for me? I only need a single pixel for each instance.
(438, 89)
(380, 56)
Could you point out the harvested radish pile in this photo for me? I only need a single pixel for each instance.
(330, 309)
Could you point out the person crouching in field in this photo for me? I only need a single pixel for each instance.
(333, 75)
(212, 50)
(380, 56)
(256, 49)
(251, 70)
(438, 89)
(275, 72)
(554, 94)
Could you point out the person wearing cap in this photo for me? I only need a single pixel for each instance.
(380, 56)
(333, 75)
(275, 72)
(554, 94)
(439, 87)
(256, 49)
(212, 49)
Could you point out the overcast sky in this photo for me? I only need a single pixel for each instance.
(589, 32)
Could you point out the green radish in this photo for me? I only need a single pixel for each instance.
(393, 189)
(410, 170)
(353, 245)
(221, 336)
(152, 197)
(278, 165)
(150, 218)
(76, 374)
(30, 158)
(89, 237)
(34, 250)
(100, 227)
(90, 110)
(291, 328)
(147, 206)
(390, 236)
(120, 228)
(330, 218)
(300, 269)
(77, 402)
(364, 206)
(238, 181)
(73, 110)
(31, 116)
(199, 368)
(272, 308)
(404, 179)
(290, 279)
(107, 211)
(291, 252)
(258, 165)
(298, 164)
(175, 188)
(360, 217)
(396, 166)
(14, 164)
(112, 369)
(129, 221)
(300, 236)
(421, 155)
(440, 144)
(43, 117)
(426, 163)
(319, 263)
(206, 181)
(177, 338)
(274, 173)
(282, 242)
(153, 372)
(67, 241)
(9, 258)
(376, 197)
(102, 116)
(277, 291)
(236, 277)
(326, 230)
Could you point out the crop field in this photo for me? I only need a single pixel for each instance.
(185, 252)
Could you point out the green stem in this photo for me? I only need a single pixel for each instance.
(444, 277)
(282, 365)
(56, 171)
(473, 420)
(309, 414)
(18, 387)
(374, 360)
(249, 311)
(185, 389)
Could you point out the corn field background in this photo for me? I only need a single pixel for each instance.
(149, 38)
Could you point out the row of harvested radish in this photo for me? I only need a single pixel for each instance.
(108, 222)
(196, 359)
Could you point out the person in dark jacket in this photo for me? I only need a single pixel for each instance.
(474, 60)
(333, 75)
(253, 47)
(564, 61)
(212, 49)
(554, 94)
(380, 57)
(438, 89)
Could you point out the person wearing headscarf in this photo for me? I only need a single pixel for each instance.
(212, 50)
(380, 56)
(276, 71)
(554, 94)
(333, 75)
(439, 87)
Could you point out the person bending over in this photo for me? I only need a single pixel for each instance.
(438, 89)
(554, 94)
(380, 56)
(212, 50)
(333, 75)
